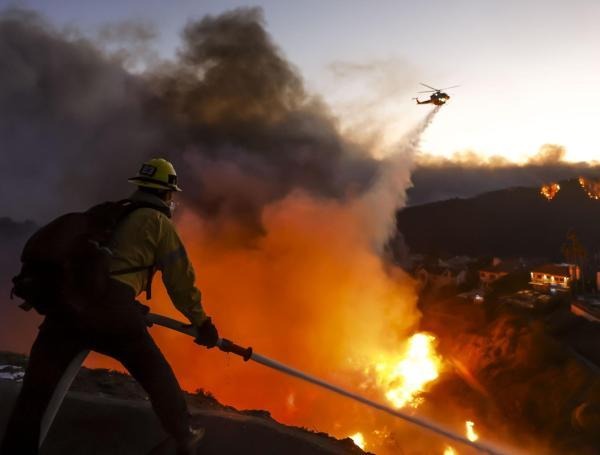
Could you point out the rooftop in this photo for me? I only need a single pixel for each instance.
(553, 269)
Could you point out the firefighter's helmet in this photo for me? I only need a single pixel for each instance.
(157, 173)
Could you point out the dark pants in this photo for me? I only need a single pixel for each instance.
(114, 327)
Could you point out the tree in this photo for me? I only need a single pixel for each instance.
(574, 251)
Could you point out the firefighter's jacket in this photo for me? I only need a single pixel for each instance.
(147, 237)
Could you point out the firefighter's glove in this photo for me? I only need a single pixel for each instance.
(207, 334)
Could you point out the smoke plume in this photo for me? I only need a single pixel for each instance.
(231, 113)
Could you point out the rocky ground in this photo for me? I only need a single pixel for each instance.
(108, 413)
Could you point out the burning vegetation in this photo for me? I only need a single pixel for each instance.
(359, 440)
(591, 187)
(470, 431)
(550, 190)
(405, 376)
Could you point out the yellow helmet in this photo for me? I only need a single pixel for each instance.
(157, 173)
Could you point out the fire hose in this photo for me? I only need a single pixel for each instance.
(247, 353)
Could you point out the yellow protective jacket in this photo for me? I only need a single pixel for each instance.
(148, 237)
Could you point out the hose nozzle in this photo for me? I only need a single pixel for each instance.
(226, 345)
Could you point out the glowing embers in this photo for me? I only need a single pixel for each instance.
(591, 187)
(359, 440)
(550, 191)
(404, 378)
(470, 431)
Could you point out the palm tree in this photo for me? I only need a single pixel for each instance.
(574, 252)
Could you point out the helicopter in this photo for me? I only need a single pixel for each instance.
(437, 97)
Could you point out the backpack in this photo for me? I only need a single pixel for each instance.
(65, 264)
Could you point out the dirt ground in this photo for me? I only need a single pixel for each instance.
(113, 417)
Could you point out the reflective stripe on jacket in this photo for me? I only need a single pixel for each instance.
(148, 237)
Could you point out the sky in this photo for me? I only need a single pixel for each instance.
(529, 71)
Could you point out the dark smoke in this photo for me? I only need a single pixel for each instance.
(247, 118)
(467, 175)
(231, 113)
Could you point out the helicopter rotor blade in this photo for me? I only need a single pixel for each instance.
(427, 91)
(446, 88)
(429, 86)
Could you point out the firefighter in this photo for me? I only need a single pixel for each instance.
(145, 241)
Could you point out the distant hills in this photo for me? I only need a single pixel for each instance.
(515, 222)
(447, 179)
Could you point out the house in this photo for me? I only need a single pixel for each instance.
(554, 277)
(498, 269)
(438, 276)
(490, 274)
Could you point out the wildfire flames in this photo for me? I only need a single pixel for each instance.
(591, 187)
(471, 436)
(359, 440)
(470, 431)
(405, 378)
(402, 378)
(550, 191)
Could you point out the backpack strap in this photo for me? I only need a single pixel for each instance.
(130, 205)
(151, 271)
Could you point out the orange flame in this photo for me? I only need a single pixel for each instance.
(591, 187)
(470, 431)
(359, 440)
(405, 377)
(471, 436)
(550, 191)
